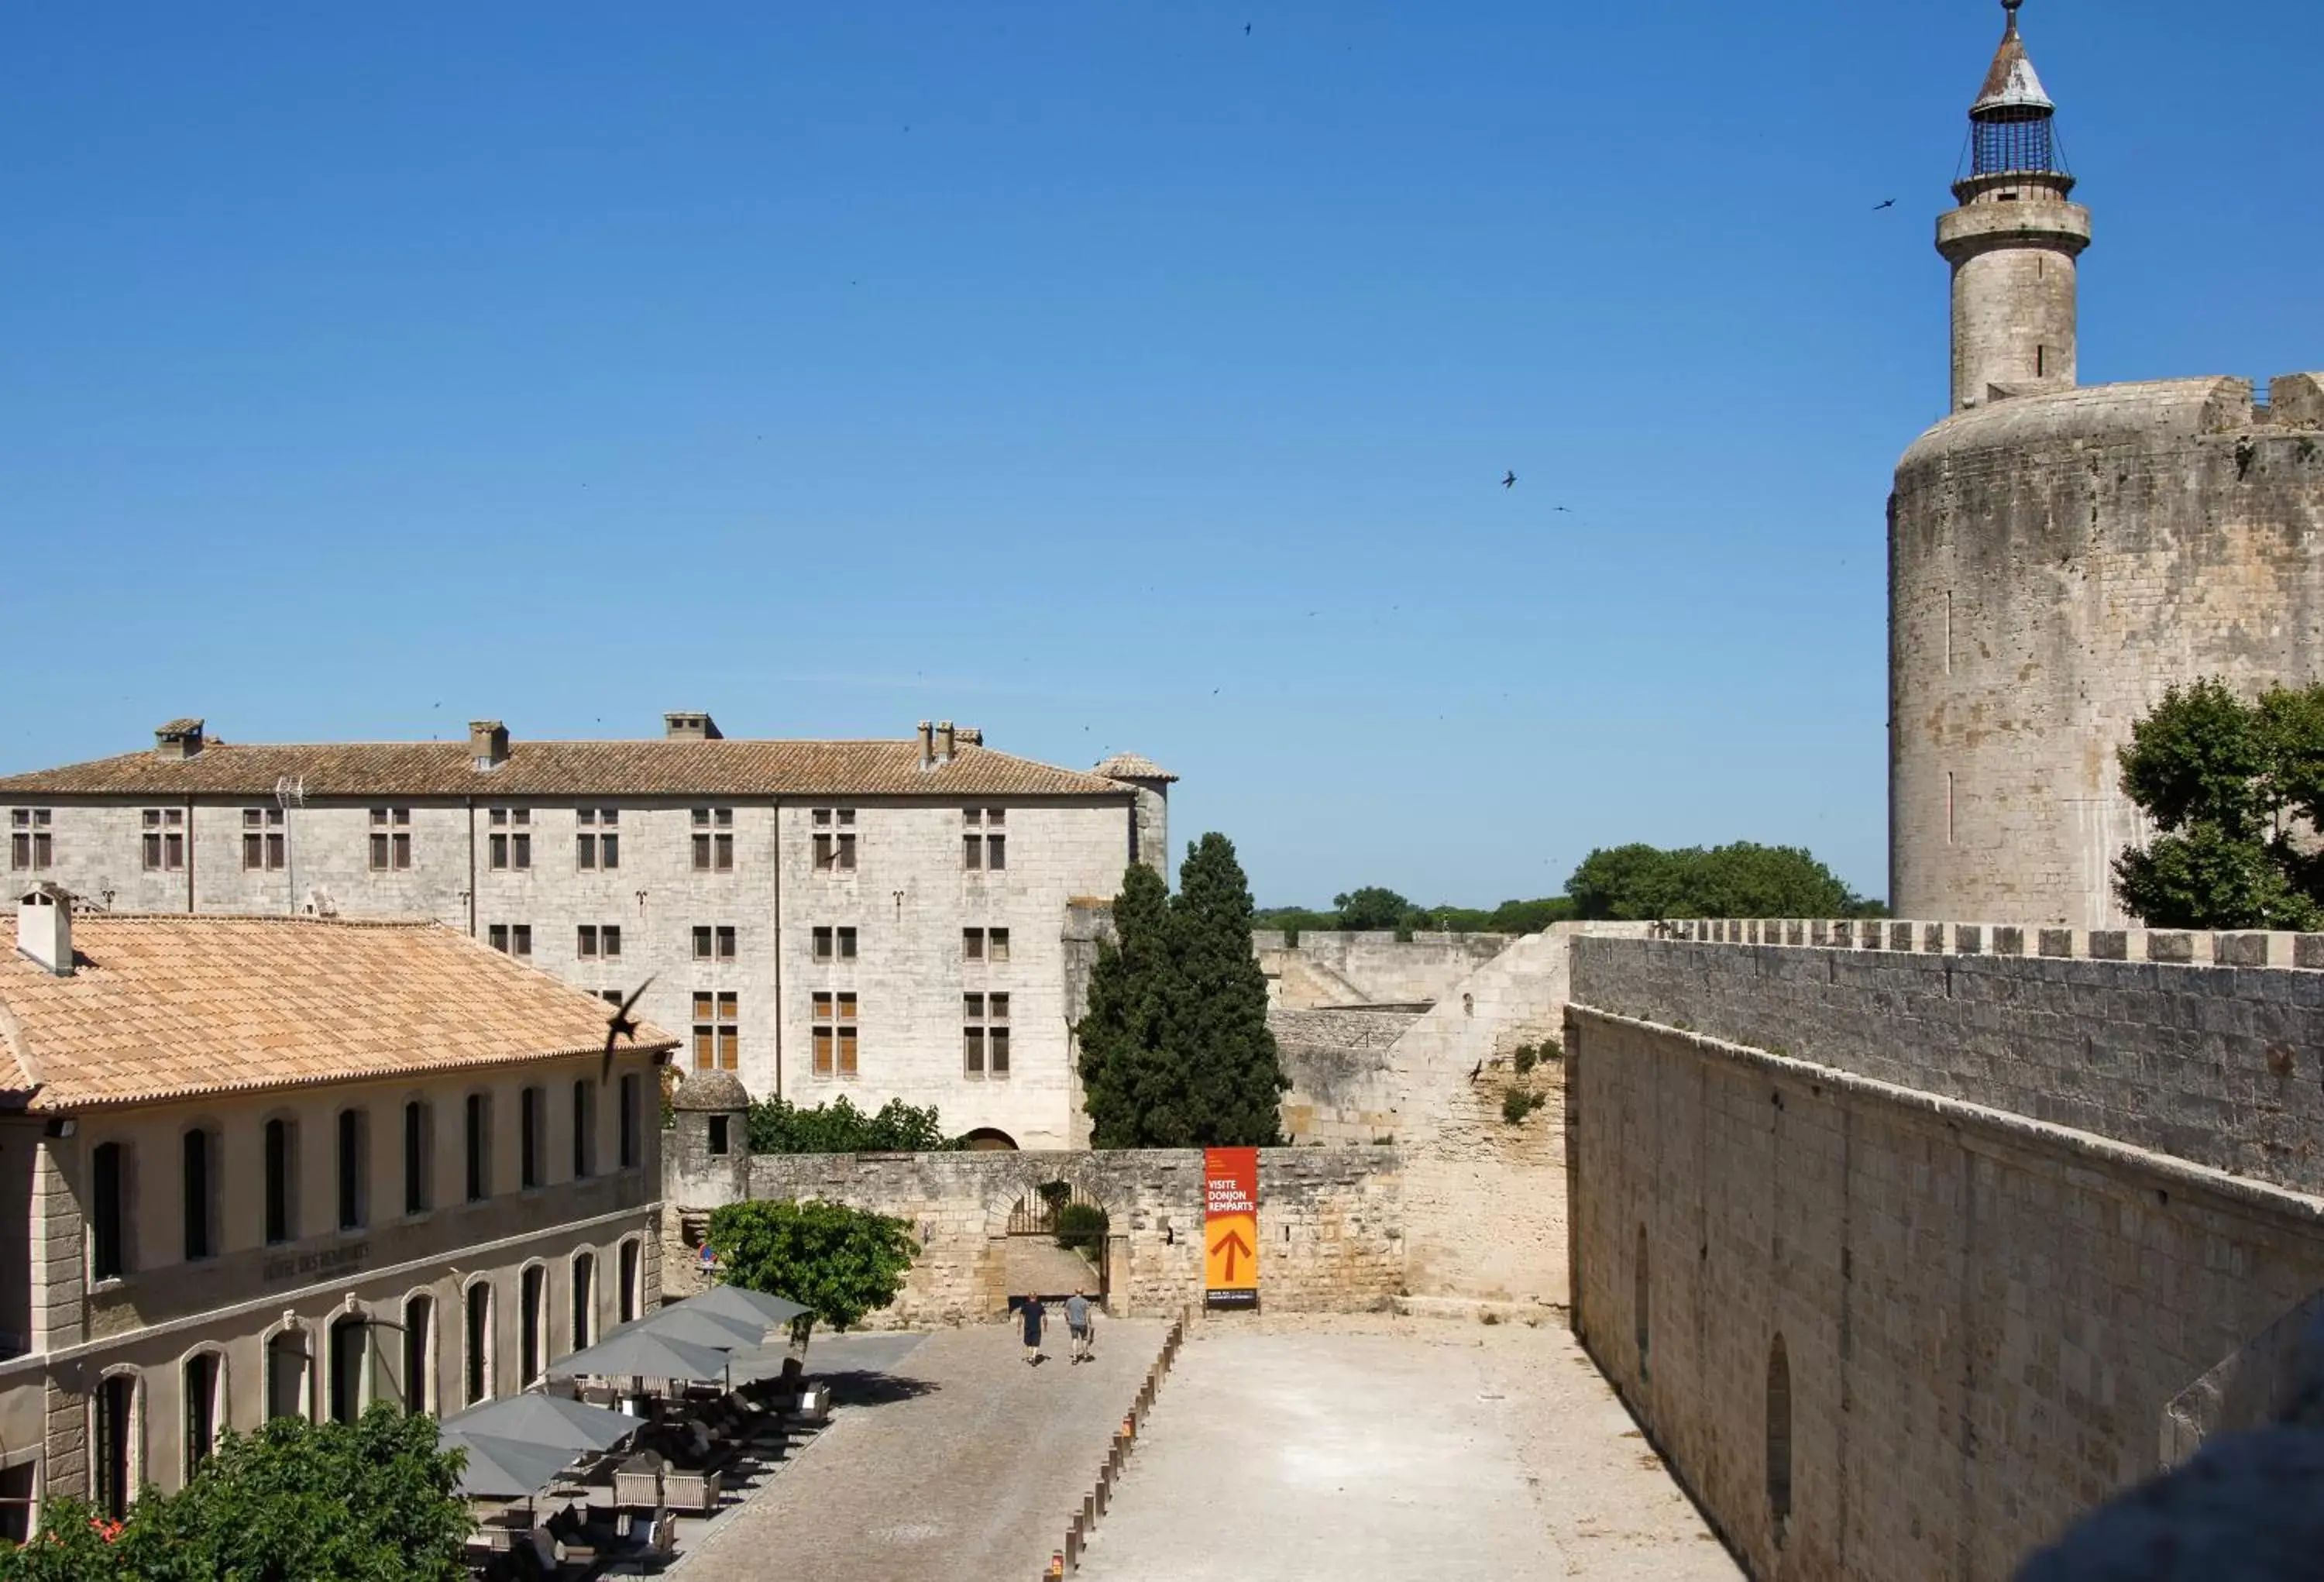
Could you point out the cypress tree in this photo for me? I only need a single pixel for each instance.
(1175, 1050)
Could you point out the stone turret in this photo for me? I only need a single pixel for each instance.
(710, 1147)
(2014, 241)
(1149, 835)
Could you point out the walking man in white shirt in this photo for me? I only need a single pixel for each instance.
(1077, 1323)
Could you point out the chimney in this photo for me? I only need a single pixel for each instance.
(44, 929)
(945, 738)
(488, 742)
(181, 738)
(970, 736)
(927, 746)
(686, 726)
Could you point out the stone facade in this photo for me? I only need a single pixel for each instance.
(1329, 969)
(1342, 1089)
(909, 900)
(2021, 1229)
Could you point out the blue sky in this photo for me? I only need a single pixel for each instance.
(1097, 373)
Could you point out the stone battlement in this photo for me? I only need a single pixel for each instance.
(2173, 947)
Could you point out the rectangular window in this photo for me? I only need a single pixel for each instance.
(598, 845)
(714, 840)
(165, 840)
(480, 1147)
(263, 845)
(390, 839)
(584, 1129)
(633, 1093)
(834, 1040)
(718, 1031)
(984, 945)
(509, 841)
(419, 1155)
(281, 1176)
(510, 938)
(984, 845)
(353, 1162)
(109, 1167)
(597, 941)
(529, 1135)
(835, 840)
(31, 842)
(200, 1191)
(714, 942)
(985, 1034)
(835, 944)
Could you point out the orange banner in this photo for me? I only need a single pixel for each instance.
(1230, 1228)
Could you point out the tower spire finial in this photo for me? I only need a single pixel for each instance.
(2011, 7)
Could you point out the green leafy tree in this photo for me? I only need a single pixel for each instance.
(292, 1502)
(2234, 790)
(1372, 907)
(1175, 1048)
(779, 1126)
(1638, 882)
(842, 1262)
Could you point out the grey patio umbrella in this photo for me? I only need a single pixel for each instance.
(636, 1353)
(698, 1326)
(505, 1469)
(733, 1300)
(536, 1419)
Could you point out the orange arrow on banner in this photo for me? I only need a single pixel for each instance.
(1228, 1246)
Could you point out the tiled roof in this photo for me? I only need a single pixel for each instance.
(554, 769)
(1132, 766)
(171, 1007)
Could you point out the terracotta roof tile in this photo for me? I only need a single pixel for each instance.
(1132, 766)
(553, 769)
(171, 1007)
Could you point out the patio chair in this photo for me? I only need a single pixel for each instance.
(693, 1492)
(638, 1483)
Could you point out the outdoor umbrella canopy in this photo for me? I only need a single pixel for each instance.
(697, 1327)
(545, 1421)
(504, 1470)
(634, 1352)
(733, 1301)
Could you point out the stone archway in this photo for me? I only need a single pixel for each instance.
(1050, 1233)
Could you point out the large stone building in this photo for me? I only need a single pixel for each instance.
(2060, 555)
(878, 919)
(260, 1167)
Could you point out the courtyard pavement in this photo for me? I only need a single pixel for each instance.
(1381, 1448)
(947, 1459)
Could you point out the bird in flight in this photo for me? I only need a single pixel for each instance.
(1508, 480)
(1558, 508)
(1878, 207)
(1246, 29)
(621, 1024)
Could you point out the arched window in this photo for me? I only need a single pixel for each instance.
(479, 1349)
(112, 1450)
(282, 1181)
(108, 1220)
(1779, 1437)
(418, 1353)
(532, 1322)
(199, 1151)
(350, 1352)
(286, 1374)
(584, 1298)
(205, 1399)
(1639, 1304)
(630, 1295)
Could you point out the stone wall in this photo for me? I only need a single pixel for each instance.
(2058, 560)
(1330, 1221)
(1988, 1320)
(1354, 969)
(1338, 1061)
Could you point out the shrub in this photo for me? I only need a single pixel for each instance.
(1524, 1058)
(1516, 1104)
(842, 1262)
(779, 1126)
(1082, 1225)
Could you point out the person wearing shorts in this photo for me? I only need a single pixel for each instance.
(1032, 1312)
(1077, 1324)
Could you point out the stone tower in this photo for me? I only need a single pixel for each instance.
(1149, 839)
(2014, 241)
(2058, 555)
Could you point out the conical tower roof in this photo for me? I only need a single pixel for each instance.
(2012, 85)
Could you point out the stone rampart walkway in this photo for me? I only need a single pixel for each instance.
(1384, 1450)
(960, 1464)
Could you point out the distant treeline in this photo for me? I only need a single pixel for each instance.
(1633, 882)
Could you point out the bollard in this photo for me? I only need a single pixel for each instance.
(1098, 1498)
(1089, 1512)
(1073, 1550)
